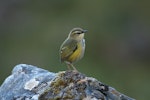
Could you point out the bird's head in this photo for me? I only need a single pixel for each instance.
(77, 34)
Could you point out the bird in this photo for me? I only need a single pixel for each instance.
(73, 48)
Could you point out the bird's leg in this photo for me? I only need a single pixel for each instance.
(74, 69)
(69, 66)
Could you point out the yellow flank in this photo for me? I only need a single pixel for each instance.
(77, 54)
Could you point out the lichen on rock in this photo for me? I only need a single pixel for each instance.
(28, 82)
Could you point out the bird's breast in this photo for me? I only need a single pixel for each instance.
(79, 52)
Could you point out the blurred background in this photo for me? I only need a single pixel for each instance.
(117, 43)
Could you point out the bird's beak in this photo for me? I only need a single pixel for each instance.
(84, 31)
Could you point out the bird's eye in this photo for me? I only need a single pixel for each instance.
(78, 32)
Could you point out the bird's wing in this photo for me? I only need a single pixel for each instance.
(67, 48)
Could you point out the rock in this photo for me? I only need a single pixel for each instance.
(28, 82)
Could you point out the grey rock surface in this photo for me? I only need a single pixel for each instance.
(28, 82)
(24, 78)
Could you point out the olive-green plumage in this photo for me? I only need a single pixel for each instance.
(73, 47)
